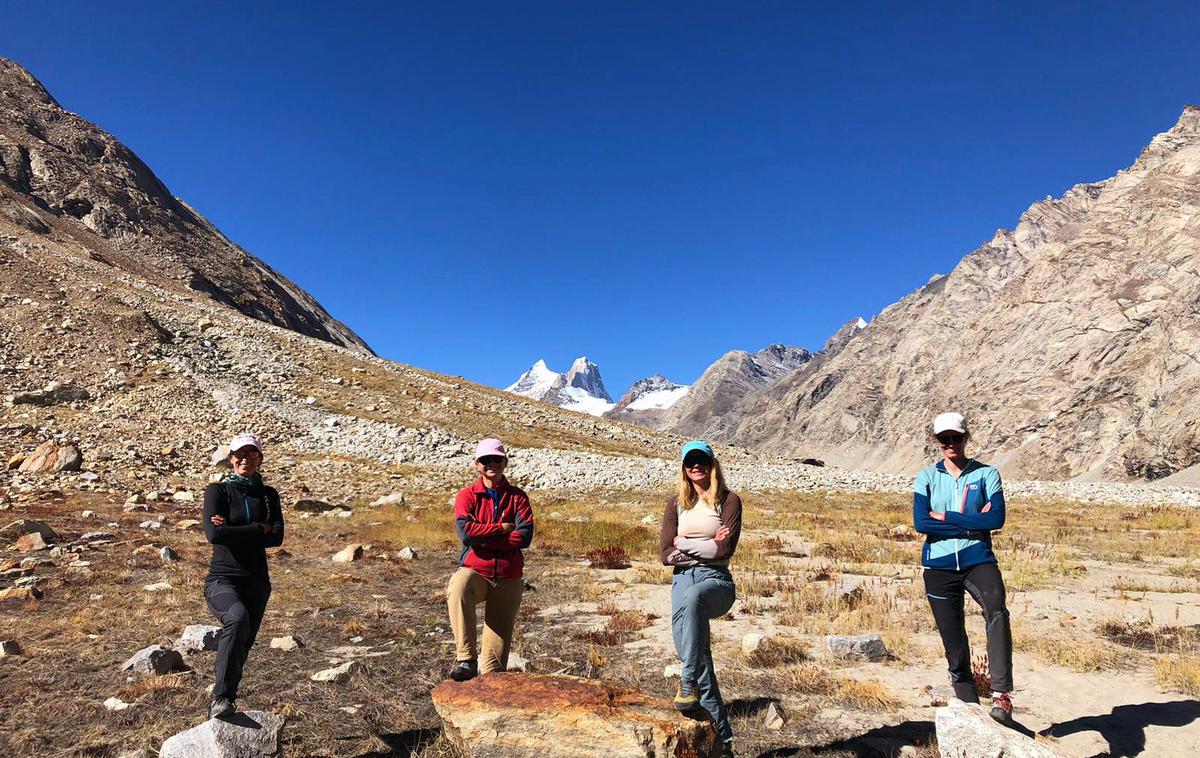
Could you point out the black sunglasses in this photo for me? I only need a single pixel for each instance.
(694, 462)
(951, 439)
(491, 460)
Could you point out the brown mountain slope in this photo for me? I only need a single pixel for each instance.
(1073, 342)
(59, 172)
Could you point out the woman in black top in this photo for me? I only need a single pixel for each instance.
(242, 518)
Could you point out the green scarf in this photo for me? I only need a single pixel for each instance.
(244, 483)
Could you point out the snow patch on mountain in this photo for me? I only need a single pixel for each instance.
(536, 382)
(579, 389)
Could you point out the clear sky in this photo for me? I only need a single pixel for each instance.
(473, 186)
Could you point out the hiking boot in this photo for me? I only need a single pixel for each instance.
(685, 703)
(1002, 708)
(220, 708)
(464, 670)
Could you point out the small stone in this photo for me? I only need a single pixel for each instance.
(135, 499)
(290, 642)
(116, 704)
(313, 506)
(407, 554)
(396, 498)
(150, 525)
(88, 515)
(28, 526)
(649, 518)
(183, 496)
(517, 662)
(774, 717)
(89, 476)
(187, 523)
(154, 660)
(9, 647)
(20, 593)
(349, 554)
(751, 642)
(167, 555)
(29, 543)
(158, 587)
(310, 400)
(137, 508)
(338, 674)
(52, 456)
(14, 462)
(863, 647)
(198, 637)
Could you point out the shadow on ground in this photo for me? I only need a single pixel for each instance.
(403, 744)
(881, 741)
(1124, 729)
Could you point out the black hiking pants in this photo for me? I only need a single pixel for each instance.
(945, 590)
(239, 605)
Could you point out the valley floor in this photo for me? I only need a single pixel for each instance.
(1105, 604)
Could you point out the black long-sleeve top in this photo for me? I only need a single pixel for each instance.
(240, 544)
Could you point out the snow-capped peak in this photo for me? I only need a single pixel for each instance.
(861, 323)
(536, 383)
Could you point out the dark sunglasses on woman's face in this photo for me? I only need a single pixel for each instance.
(697, 463)
(950, 439)
(491, 460)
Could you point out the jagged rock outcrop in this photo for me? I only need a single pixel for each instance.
(517, 715)
(843, 335)
(726, 384)
(1069, 343)
(62, 174)
(647, 400)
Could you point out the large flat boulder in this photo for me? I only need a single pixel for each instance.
(252, 734)
(518, 715)
(965, 730)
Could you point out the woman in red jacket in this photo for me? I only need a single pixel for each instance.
(494, 523)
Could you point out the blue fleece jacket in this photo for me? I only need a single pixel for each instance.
(964, 539)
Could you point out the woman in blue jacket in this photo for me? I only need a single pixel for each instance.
(957, 503)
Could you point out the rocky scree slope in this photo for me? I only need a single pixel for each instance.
(61, 173)
(1069, 341)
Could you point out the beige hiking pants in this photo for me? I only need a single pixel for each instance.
(501, 597)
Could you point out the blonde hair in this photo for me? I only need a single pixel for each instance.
(714, 496)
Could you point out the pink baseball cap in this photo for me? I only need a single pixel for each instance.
(490, 447)
(242, 440)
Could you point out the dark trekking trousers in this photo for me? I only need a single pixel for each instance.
(239, 605)
(945, 590)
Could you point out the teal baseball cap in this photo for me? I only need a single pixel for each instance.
(696, 446)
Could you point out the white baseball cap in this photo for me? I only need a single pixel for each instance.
(243, 440)
(949, 422)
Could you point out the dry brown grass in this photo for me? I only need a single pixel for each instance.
(1179, 673)
(812, 679)
(779, 651)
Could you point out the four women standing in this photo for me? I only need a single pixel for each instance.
(957, 503)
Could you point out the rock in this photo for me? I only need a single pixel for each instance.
(28, 526)
(649, 518)
(20, 593)
(14, 462)
(253, 734)
(183, 496)
(349, 554)
(158, 587)
(88, 515)
(396, 498)
(197, 638)
(135, 499)
(167, 555)
(774, 718)
(116, 704)
(337, 674)
(9, 647)
(672, 671)
(187, 523)
(290, 642)
(53, 394)
(148, 524)
(137, 508)
(51, 457)
(154, 660)
(751, 642)
(89, 476)
(965, 730)
(27, 543)
(517, 662)
(514, 715)
(863, 647)
(313, 506)
(220, 456)
(407, 554)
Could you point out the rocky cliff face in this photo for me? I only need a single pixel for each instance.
(1070, 343)
(61, 174)
(585, 375)
(579, 389)
(724, 385)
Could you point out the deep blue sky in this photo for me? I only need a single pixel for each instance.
(472, 186)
